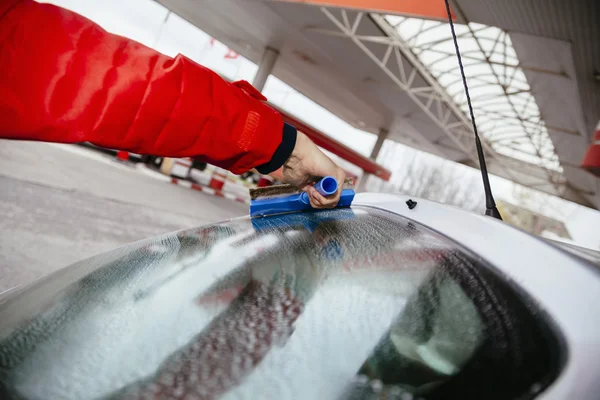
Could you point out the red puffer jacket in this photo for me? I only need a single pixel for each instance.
(65, 79)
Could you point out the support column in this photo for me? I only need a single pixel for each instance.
(265, 68)
(383, 134)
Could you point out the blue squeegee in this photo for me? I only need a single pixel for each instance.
(277, 199)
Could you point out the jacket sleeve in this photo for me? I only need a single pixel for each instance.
(64, 79)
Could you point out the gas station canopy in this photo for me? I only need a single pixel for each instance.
(389, 68)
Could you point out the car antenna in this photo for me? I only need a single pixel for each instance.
(490, 204)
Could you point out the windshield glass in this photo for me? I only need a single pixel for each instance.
(348, 303)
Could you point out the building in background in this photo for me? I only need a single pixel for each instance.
(533, 223)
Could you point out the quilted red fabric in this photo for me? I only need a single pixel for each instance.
(65, 79)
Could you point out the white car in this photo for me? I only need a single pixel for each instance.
(376, 301)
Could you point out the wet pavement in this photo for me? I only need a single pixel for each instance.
(60, 204)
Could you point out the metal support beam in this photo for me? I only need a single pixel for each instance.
(265, 68)
(383, 134)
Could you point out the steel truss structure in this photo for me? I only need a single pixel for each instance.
(513, 133)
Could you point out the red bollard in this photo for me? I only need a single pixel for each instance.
(265, 180)
(217, 180)
(123, 155)
(591, 160)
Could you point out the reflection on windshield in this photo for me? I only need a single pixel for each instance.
(293, 306)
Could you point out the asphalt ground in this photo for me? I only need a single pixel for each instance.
(62, 203)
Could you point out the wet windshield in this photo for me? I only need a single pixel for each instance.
(349, 303)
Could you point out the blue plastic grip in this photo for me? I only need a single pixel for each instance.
(304, 198)
(327, 186)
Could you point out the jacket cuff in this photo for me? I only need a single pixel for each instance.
(283, 152)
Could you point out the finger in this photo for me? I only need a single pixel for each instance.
(317, 200)
(310, 190)
(324, 202)
(314, 203)
(333, 200)
(320, 201)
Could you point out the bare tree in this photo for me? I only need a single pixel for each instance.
(424, 176)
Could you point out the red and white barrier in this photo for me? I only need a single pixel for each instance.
(218, 178)
(265, 180)
(181, 167)
(123, 155)
(591, 160)
(210, 191)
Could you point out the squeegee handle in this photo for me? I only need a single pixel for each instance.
(299, 201)
(326, 186)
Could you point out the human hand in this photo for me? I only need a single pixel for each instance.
(307, 165)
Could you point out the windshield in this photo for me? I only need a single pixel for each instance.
(348, 303)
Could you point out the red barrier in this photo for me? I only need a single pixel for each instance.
(591, 160)
(123, 155)
(218, 178)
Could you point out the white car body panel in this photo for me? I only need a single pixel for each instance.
(564, 287)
